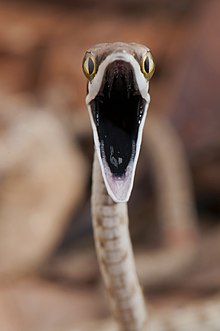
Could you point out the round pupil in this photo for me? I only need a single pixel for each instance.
(146, 65)
(90, 66)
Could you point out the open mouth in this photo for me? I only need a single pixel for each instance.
(117, 112)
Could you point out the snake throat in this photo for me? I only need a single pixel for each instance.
(117, 112)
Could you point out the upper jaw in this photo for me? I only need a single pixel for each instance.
(118, 113)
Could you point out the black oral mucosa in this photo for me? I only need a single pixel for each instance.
(117, 112)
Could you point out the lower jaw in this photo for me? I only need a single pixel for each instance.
(118, 187)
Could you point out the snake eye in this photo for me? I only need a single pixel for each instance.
(148, 66)
(89, 66)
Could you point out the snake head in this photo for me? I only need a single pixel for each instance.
(118, 81)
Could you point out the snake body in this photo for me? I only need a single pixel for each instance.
(115, 256)
(117, 102)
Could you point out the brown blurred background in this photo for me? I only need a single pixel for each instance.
(49, 278)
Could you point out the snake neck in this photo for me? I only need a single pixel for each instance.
(115, 256)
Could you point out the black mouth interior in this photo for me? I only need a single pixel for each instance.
(117, 111)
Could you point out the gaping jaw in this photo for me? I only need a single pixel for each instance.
(118, 105)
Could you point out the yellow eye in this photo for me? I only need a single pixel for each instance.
(148, 66)
(89, 66)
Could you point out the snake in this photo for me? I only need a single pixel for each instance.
(118, 76)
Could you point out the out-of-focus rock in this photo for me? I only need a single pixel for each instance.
(38, 305)
(42, 180)
(76, 268)
(23, 45)
(196, 100)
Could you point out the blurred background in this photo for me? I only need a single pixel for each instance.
(49, 278)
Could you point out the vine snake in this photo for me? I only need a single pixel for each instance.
(117, 100)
